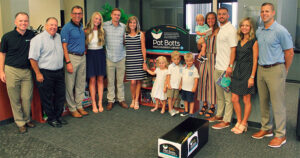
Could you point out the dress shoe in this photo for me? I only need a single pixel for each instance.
(123, 105)
(214, 119)
(109, 106)
(261, 134)
(22, 129)
(277, 142)
(30, 124)
(62, 121)
(221, 125)
(76, 114)
(54, 124)
(82, 112)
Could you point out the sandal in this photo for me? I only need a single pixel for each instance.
(132, 104)
(204, 108)
(136, 105)
(210, 112)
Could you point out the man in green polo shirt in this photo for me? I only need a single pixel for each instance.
(15, 70)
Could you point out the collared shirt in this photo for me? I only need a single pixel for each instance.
(16, 48)
(47, 51)
(226, 39)
(74, 36)
(175, 76)
(114, 40)
(272, 42)
(188, 76)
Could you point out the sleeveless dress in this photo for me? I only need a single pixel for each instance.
(243, 69)
(206, 85)
(158, 86)
(134, 58)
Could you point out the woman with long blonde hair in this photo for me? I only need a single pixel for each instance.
(95, 58)
(242, 83)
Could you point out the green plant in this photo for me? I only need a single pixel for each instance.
(107, 8)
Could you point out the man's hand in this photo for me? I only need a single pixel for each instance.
(228, 72)
(40, 77)
(2, 77)
(70, 68)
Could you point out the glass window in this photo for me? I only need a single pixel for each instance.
(191, 12)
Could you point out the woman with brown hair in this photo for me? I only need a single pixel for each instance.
(206, 88)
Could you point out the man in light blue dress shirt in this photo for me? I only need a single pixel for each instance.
(115, 58)
(46, 58)
(275, 57)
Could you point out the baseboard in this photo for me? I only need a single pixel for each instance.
(7, 121)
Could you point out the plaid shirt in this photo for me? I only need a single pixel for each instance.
(114, 40)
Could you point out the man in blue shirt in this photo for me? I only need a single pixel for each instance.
(73, 40)
(115, 58)
(275, 57)
(46, 58)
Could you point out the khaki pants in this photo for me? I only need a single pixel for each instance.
(271, 88)
(224, 104)
(75, 82)
(19, 88)
(113, 70)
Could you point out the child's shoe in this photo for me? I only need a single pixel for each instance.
(184, 114)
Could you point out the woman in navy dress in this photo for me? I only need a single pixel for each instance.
(242, 81)
(95, 59)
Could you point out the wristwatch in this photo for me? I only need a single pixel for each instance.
(68, 62)
(230, 65)
(252, 77)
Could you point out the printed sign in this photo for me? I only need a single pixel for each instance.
(167, 37)
(169, 150)
(192, 143)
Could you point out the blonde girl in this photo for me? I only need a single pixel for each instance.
(159, 88)
(95, 58)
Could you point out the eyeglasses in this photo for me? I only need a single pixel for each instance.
(77, 13)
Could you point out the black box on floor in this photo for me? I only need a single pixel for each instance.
(185, 140)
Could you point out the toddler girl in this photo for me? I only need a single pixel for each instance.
(160, 87)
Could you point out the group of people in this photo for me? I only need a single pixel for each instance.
(62, 63)
(244, 55)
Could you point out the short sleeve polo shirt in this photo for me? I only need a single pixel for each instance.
(74, 36)
(272, 42)
(16, 48)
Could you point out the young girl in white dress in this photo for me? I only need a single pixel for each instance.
(159, 88)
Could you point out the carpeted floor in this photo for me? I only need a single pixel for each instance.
(123, 133)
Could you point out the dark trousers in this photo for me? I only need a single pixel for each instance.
(52, 92)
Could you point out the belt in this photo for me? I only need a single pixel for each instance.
(272, 65)
(76, 54)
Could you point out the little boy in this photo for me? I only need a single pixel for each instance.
(173, 81)
(200, 38)
(188, 84)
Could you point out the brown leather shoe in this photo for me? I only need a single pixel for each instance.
(22, 129)
(214, 119)
(277, 142)
(76, 114)
(82, 112)
(30, 124)
(221, 125)
(260, 134)
(123, 105)
(109, 106)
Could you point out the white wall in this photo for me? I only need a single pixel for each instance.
(41, 10)
(8, 10)
(1, 29)
(68, 4)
